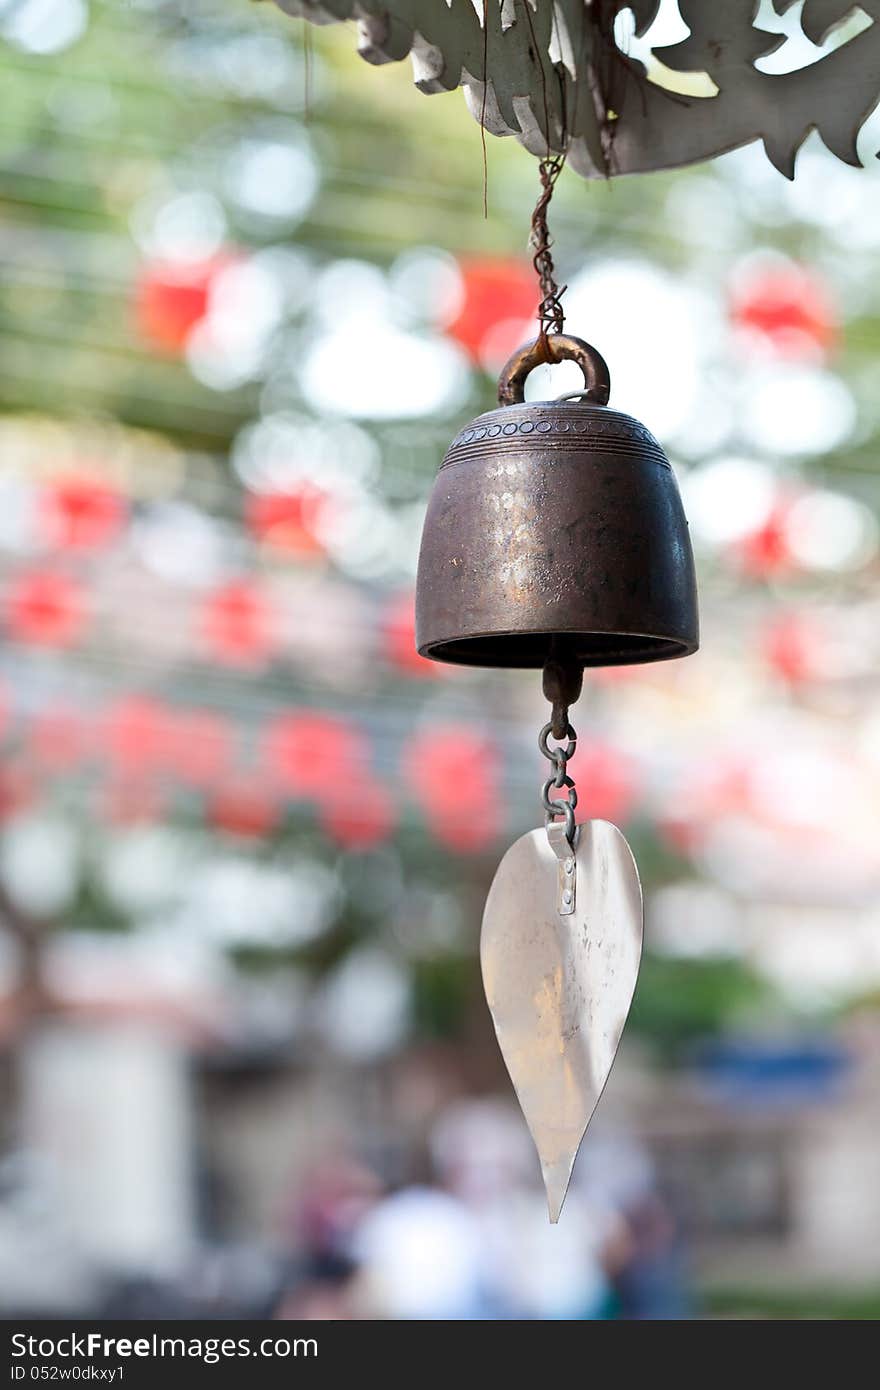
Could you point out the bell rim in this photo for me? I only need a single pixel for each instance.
(453, 651)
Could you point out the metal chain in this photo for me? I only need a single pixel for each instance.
(553, 805)
(550, 312)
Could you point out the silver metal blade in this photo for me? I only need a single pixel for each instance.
(559, 987)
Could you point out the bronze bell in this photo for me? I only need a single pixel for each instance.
(555, 528)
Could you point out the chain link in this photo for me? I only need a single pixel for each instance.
(556, 805)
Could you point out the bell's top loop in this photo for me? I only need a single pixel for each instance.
(564, 347)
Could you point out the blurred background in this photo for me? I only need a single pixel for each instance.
(247, 296)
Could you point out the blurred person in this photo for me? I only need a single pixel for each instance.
(421, 1258)
(326, 1291)
(650, 1284)
(327, 1204)
(320, 1218)
(531, 1269)
(646, 1263)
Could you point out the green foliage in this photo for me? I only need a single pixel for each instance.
(680, 1001)
(809, 1304)
(442, 991)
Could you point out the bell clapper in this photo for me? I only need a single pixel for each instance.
(562, 683)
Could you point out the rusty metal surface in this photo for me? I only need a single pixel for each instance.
(555, 519)
(559, 987)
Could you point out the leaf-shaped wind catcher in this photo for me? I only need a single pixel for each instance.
(559, 986)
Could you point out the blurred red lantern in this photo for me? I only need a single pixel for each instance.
(310, 755)
(359, 815)
(237, 625)
(200, 746)
(17, 789)
(45, 609)
(287, 520)
(681, 834)
(81, 514)
(131, 800)
(172, 297)
(787, 308)
(399, 632)
(765, 552)
(707, 793)
(136, 734)
(795, 647)
(245, 808)
(607, 782)
(58, 739)
(618, 675)
(499, 301)
(454, 774)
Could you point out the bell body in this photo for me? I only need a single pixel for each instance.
(555, 522)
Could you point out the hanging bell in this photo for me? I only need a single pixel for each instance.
(555, 525)
(555, 538)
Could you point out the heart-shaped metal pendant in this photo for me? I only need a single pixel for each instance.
(560, 949)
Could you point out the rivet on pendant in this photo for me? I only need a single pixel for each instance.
(566, 897)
